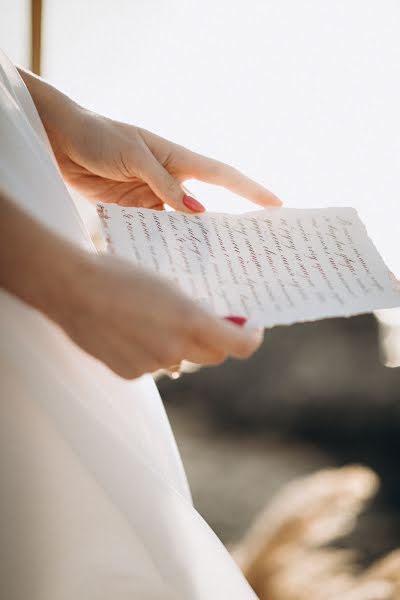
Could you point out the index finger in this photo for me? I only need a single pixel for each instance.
(213, 171)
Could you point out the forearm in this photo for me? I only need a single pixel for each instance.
(36, 265)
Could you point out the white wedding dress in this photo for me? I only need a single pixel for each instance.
(94, 502)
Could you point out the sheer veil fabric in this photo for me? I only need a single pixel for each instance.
(94, 502)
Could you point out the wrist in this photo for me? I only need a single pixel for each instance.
(64, 293)
(58, 113)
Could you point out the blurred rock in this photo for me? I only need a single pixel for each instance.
(315, 394)
(313, 377)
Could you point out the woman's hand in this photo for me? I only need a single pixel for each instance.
(137, 323)
(116, 162)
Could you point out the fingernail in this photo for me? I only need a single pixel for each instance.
(193, 204)
(236, 320)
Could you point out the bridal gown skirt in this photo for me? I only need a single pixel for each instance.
(94, 502)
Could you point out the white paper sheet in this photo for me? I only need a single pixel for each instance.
(274, 266)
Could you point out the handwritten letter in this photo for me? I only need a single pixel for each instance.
(274, 266)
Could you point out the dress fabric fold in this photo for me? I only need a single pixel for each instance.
(94, 501)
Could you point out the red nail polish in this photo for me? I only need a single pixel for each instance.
(236, 320)
(193, 204)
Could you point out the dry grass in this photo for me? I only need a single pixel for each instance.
(285, 555)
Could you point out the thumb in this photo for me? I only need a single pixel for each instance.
(167, 188)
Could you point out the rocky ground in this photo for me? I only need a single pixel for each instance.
(314, 395)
